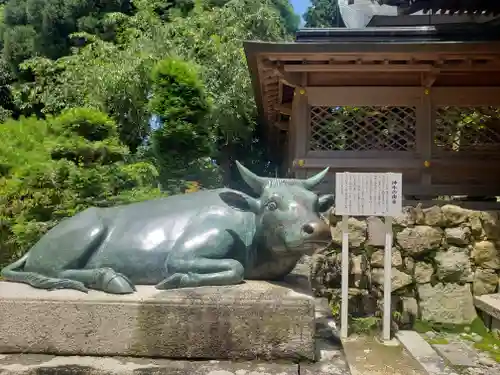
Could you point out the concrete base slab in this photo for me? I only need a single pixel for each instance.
(254, 320)
(489, 305)
(366, 356)
(458, 354)
(36, 364)
(331, 359)
(391, 342)
(424, 354)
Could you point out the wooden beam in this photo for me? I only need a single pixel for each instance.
(450, 51)
(285, 82)
(466, 96)
(391, 159)
(359, 163)
(467, 161)
(428, 78)
(272, 92)
(282, 125)
(402, 96)
(291, 79)
(364, 95)
(403, 68)
(280, 91)
(270, 80)
(336, 68)
(467, 68)
(285, 108)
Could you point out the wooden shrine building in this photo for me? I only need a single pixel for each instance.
(423, 101)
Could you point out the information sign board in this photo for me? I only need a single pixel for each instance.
(368, 194)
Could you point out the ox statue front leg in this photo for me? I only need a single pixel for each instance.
(200, 261)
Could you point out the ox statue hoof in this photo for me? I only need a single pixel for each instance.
(174, 281)
(116, 283)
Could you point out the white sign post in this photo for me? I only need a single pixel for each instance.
(368, 194)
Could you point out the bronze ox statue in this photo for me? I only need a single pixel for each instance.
(207, 238)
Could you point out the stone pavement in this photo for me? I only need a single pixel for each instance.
(366, 356)
(330, 355)
(453, 355)
(36, 364)
(424, 354)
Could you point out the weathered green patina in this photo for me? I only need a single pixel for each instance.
(207, 238)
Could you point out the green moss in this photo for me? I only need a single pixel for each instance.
(396, 315)
(422, 327)
(476, 326)
(489, 343)
(438, 341)
(364, 325)
(369, 250)
(335, 308)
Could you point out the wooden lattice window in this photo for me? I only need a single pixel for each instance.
(367, 128)
(471, 129)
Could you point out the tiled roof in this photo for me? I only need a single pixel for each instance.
(373, 13)
(445, 6)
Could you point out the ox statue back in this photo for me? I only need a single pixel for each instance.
(207, 238)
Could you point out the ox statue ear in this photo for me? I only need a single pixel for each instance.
(311, 182)
(325, 202)
(240, 201)
(255, 182)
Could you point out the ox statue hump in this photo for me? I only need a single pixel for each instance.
(207, 238)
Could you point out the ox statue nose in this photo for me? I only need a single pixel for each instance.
(317, 229)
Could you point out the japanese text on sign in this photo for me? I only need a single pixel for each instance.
(368, 194)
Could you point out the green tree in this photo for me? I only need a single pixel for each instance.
(323, 14)
(96, 76)
(42, 27)
(214, 41)
(7, 107)
(179, 99)
(54, 168)
(289, 18)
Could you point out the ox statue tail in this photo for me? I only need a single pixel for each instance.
(36, 280)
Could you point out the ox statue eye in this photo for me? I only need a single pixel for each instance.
(271, 206)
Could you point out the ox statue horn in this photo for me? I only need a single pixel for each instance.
(257, 183)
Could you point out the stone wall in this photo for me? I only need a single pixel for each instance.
(442, 257)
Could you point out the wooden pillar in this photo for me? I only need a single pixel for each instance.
(290, 148)
(299, 126)
(425, 130)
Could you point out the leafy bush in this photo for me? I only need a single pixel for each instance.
(179, 100)
(51, 169)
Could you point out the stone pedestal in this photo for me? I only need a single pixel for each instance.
(254, 320)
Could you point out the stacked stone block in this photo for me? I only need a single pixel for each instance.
(441, 258)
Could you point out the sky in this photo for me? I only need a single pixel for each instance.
(300, 6)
